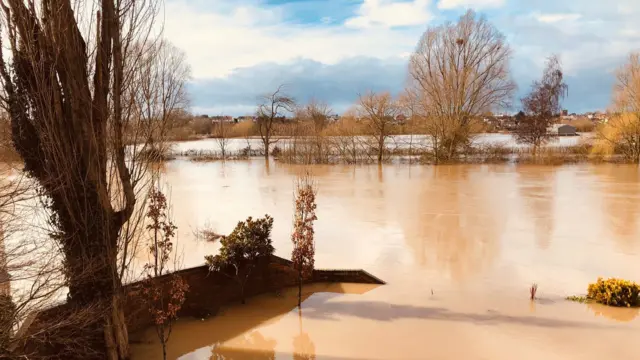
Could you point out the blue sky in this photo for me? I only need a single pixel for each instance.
(333, 49)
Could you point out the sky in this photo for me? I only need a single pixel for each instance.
(331, 50)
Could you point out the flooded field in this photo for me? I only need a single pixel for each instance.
(459, 247)
(392, 142)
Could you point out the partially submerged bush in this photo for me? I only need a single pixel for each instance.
(243, 250)
(614, 292)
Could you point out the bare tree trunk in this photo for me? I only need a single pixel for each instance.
(299, 288)
(164, 348)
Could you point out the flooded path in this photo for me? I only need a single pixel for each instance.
(459, 247)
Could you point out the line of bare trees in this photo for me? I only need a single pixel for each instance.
(458, 72)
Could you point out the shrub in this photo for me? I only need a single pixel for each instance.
(614, 292)
(242, 250)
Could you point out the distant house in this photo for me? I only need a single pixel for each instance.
(563, 130)
(245, 118)
(333, 118)
(400, 119)
(221, 118)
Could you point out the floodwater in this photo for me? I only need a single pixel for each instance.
(459, 247)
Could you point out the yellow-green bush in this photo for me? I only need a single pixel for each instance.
(614, 292)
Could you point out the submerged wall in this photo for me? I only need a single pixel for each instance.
(209, 291)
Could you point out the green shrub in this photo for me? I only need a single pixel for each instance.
(245, 248)
(614, 292)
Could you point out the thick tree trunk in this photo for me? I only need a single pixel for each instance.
(115, 331)
(89, 235)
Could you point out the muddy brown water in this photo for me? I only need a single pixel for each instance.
(458, 245)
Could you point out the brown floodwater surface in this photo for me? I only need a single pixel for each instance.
(459, 247)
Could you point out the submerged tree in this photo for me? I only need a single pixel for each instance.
(458, 72)
(221, 133)
(272, 107)
(68, 92)
(621, 132)
(247, 247)
(303, 252)
(164, 299)
(542, 106)
(378, 111)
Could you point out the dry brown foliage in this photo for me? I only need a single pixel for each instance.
(458, 72)
(378, 113)
(621, 134)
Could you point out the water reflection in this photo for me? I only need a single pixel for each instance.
(614, 313)
(253, 346)
(620, 194)
(537, 187)
(452, 222)
(303, 346)
(239, 331)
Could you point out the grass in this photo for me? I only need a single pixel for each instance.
(578, 298)
(212, 155)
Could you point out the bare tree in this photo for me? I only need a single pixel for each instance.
(407, 103)
(621, 133)
(302, 237)
(30, 275)
(378, 111)
(221, 132)
(67, 91)
(273, 106)
(459, 71)
(542, 106)
(161, 95)
(317, 114)
(346, 140)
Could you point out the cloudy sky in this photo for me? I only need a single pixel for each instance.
(333, 49)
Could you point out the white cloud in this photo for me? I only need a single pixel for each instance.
(388, 13)
(474, 4)
(554, 18)
(216, 42)
(220, 36)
